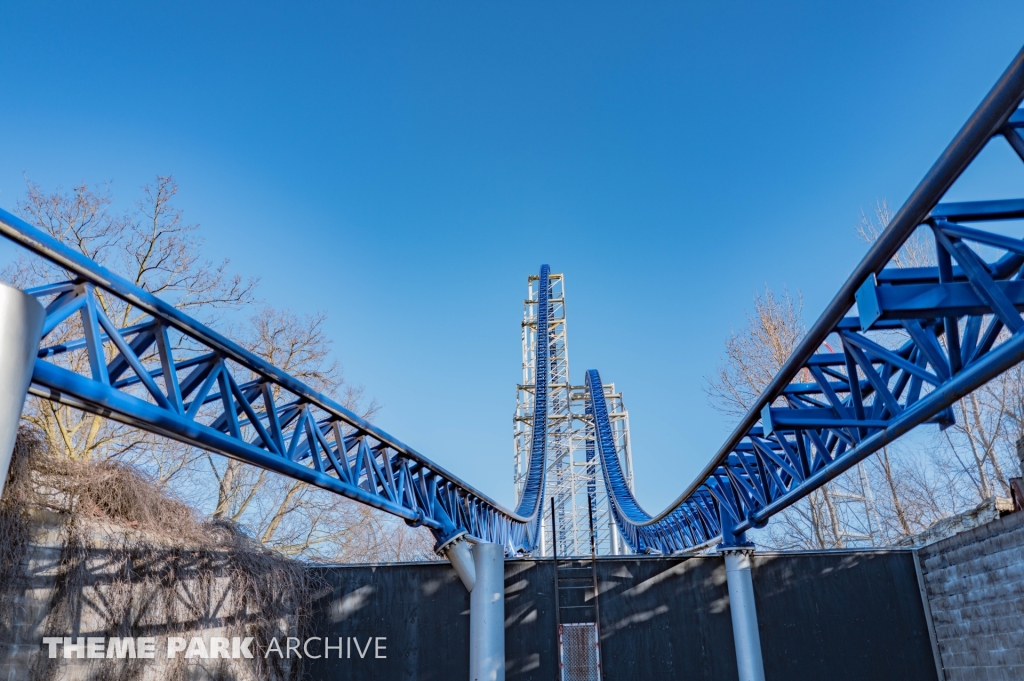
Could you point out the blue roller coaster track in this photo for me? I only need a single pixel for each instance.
(910, 341)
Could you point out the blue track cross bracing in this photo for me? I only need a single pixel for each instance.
(910, 342)
(221, 398)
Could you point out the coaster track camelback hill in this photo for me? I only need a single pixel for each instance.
(895, 348)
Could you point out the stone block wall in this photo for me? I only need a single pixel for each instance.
(91, 590)
(975, 588)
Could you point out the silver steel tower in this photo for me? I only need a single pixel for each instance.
(573, 468)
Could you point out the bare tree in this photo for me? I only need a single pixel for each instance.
(753, 356)
(917, 251)
(966, 461)
(301, 348)
(903, 498)
(291, 516)
(905, 488)
(896, 493)
(757, 352)
(985, 431)
(154, 248)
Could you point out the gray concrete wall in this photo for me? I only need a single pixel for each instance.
(200, 607)
(975, 587)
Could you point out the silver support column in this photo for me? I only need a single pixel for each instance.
(460, 556)
(482, 570)
(744, 614)
(21, 323)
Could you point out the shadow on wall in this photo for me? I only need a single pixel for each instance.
(97, 551)
(839, 616)
(842, 616)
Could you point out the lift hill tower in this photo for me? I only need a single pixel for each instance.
(573, 468)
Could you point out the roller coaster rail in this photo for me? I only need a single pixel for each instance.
(173, 376)
(959, 326)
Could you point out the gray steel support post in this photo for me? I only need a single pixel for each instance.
(487, 614)
(482, 570)
(21, 323)
(744, 614)
(460, 555)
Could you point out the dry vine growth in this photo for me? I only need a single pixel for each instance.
(133, 562)
(154, 247)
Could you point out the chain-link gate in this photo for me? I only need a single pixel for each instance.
(579, 652)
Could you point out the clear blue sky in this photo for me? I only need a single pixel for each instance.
(404, 166)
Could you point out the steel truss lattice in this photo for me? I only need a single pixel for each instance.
(893, 350)
(908, 344)
(172, 375)
(573, 467)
